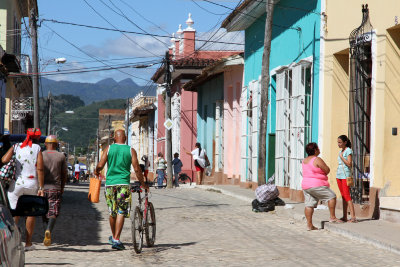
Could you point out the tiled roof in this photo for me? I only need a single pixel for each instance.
(200, 60)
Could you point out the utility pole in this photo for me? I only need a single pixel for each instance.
(48, 132)
(265, 79)
(168, 133)
(35, 67)
(127, 121)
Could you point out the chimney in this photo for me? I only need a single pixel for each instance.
(178, 41)
(189, 35)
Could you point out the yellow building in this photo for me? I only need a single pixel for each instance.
(141, 127)
(18, 110)
(360, 77)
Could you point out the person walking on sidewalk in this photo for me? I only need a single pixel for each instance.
(29, 176)
(146, 166)
(161, 164)
(55, 177)
(344, 171)
(200, 161)
(315, 185)
(177, 163)
(119, 158)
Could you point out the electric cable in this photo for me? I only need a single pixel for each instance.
(122, 14)
(139, 33)
(91, 55)
(118, 29)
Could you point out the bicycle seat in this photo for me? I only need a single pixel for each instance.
(136, 189)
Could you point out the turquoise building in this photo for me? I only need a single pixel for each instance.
(293, 90)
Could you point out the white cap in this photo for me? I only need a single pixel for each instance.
(180, 31)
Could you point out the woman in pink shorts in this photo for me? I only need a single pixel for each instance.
(315, 185)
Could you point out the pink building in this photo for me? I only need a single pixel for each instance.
(187, 63)
(219, 87)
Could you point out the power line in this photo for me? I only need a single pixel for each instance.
(89, 69)
(122, 14)
(139, 33)
(117, 28)
(92, 61)
(91, 55)
(205, 9)
(140, 15)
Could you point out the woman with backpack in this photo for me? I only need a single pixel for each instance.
(200, 161)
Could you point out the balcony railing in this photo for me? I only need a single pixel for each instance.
(20, 107)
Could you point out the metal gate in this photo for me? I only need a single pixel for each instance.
(360, 105)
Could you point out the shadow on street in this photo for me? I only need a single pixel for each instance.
(77, 224)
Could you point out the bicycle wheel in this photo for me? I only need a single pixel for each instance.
(150, 230)
(184, 179)
(155, 182)
(137, 230)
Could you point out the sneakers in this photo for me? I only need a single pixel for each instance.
(118, 245)
(47, 238)
(115, 244)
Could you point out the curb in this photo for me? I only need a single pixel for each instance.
(324, 224)
(224, 192)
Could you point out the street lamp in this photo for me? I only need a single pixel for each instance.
(62, 128)
(60, 60)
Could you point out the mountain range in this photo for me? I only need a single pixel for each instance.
(93, 92)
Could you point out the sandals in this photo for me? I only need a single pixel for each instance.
(353, 220)
(313, 228)
(335, 221)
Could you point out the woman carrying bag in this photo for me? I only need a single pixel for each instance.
(343, 176)
(29, 174)
(200, 161)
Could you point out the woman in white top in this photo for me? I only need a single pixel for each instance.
(200, 161)
(29, 175)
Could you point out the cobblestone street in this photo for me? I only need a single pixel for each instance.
(197, 228)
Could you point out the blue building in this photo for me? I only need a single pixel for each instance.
(293, 90)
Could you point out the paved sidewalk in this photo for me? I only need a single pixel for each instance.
(379, 233)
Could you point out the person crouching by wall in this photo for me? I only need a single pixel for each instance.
(315, 185)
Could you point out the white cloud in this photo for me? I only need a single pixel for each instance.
(124, 47)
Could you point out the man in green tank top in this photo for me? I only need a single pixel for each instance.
(119, 158)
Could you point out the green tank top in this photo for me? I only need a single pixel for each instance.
(119, 165)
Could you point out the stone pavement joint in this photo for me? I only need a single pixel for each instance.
(381, 234)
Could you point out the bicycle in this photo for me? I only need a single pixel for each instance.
(144, 219)
(182, 179)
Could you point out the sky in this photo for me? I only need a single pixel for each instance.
(85, 47)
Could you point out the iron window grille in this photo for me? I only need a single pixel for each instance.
(360, 106)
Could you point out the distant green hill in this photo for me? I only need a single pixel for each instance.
(93, 92)
(82, 125)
